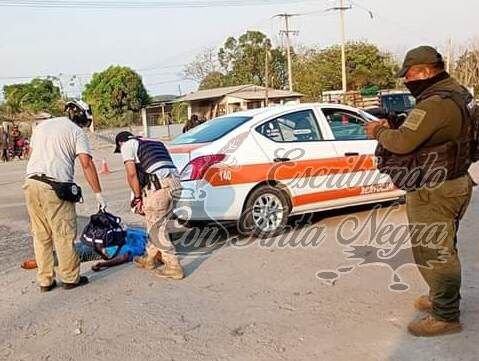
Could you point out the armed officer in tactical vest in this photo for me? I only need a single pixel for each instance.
(438, 131)
(155, 184)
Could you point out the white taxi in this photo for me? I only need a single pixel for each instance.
(260, 166)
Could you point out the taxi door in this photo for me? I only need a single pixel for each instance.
(300, 155)
(352, 143)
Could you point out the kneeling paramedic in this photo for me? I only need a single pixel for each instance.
(440, 134)
(51, 194)
(155, 183)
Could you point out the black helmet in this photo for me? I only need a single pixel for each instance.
(79, 113)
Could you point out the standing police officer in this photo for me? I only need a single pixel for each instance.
(154, 181)
(439, 127)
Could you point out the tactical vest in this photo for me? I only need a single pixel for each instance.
(430, 166)
(153, 156)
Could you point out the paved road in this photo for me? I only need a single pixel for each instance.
(256, 300)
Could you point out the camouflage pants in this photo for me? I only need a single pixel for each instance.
(444, 206)
(158, 206)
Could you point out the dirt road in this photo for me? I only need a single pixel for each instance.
(254, 301)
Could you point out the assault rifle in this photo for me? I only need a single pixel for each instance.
(395, 120)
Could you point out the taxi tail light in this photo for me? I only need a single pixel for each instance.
(197, 168)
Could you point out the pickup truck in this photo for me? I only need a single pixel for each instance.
(393, 103)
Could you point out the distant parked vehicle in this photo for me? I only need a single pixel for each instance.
(393, 103)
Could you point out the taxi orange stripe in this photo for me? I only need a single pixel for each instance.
(223, 175)
(310, 198)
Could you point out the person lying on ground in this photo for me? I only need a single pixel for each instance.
(134, 246)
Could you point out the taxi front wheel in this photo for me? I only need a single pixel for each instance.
(265, 213)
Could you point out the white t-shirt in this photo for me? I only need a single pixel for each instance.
(56, 143)
(129, 151)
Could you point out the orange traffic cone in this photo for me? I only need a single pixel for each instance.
(104, 169)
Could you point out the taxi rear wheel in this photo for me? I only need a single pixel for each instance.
(265, 213)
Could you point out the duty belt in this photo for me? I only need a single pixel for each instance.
(153, 182)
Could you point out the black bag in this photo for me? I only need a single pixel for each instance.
(104, 230)
(70, 192)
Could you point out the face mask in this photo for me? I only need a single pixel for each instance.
(417, 87)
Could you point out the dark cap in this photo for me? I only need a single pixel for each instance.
(121, 138)
(420, 56)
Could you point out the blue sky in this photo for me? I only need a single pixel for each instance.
(74, 41)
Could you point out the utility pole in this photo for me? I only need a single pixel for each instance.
(60, 85)
(342, 12)
(342, 9)
(287, 32)
(449, 57)
(266, 81)
(80, 82)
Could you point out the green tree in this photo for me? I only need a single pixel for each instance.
(240, 61)
(318, 70)
(39, 95)
(114, 94)
(279, 68)
(14, 95)
(243, 60)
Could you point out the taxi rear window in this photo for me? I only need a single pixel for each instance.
(211, 130)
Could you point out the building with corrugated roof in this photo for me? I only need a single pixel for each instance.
(211, 103)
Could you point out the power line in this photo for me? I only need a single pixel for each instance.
(75, 84)
(142, 4)
(149, 68)
(152, 68)
(140, 70)
(155, 67)
(164, 82)
(407, 28)
(342, 8)
(287, 33)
